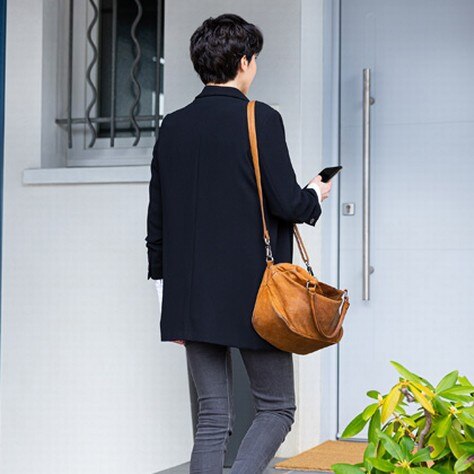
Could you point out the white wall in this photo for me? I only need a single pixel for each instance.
(86, 385)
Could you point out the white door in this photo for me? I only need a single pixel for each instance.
(420, 207)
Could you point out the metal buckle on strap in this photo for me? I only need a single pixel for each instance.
(268, 250)
(308, 282)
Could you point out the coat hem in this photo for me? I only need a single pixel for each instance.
(221, 343)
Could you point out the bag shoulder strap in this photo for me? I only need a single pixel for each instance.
(256, 165)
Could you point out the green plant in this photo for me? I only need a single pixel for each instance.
(437, 435)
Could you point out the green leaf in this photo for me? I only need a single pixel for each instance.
(463, 380)
(441, 470)
(369, 411)
(388, 430)
(438, 444)
(374, 425)
(445, 452)
(469, 432)
(458, 390)
(458, 394)
(468, 446)
(454, 441)
(421, 470)
(427, 383)
(407, 445)
(382, 464)
(441, 406)
(373, 394)
(443, 426)
(447, 381)
(464, 462)
(392, 448)
(423, 455)
(405, 373)
(458, 398)
(354, 427)
(402, 470)
(345, 469)
(381, 451)
(408, 420)
(369, 452)
(399, 409)
(390, 402)
(467, 419)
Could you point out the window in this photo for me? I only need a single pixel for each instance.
(111, 79)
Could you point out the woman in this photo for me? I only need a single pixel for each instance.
(205, 242)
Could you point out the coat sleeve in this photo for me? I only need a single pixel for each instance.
(154, 238)
(283, 195)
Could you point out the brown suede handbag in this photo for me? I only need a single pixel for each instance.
(294, 311)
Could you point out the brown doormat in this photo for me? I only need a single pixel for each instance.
(323, 456)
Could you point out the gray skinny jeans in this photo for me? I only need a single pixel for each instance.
(271, 379)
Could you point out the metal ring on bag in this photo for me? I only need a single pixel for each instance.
(307, 284)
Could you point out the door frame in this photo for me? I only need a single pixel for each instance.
(3, 34)
(330, 261)
(330, 358)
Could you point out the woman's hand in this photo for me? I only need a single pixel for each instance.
(324, 187)
(179, 341)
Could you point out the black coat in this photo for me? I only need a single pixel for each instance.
(204, 228)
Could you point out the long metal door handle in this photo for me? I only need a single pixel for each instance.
(367, 101)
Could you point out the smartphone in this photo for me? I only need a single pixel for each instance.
(328, 173)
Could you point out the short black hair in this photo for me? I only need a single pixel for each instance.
(218, 45)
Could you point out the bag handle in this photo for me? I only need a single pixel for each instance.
(256, 165)
(342, 314)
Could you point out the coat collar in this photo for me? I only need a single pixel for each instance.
(222, 90)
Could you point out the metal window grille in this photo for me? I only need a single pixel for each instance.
(124, 74)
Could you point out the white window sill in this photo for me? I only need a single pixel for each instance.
(92, 174)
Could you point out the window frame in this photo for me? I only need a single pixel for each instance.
(123, 153)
